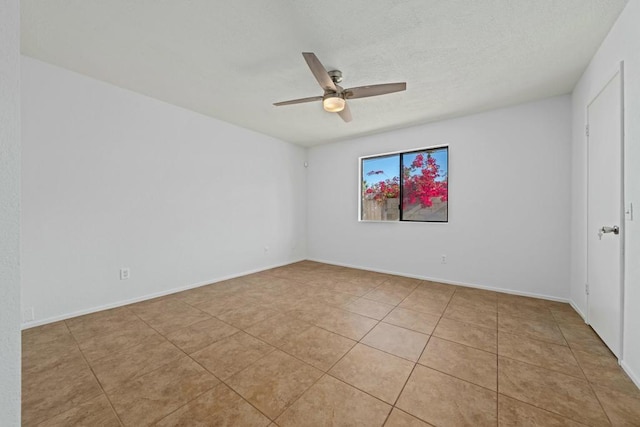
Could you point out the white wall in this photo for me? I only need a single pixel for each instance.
(622, 44)
(10, 212)
(509, 178)
(114, 179)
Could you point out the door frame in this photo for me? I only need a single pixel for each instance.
(622, 221)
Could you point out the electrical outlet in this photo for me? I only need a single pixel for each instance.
(124, 273)
(444, 259)
(28, 315)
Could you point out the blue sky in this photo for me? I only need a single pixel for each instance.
(390, 165)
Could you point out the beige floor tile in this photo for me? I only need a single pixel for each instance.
(467, 363)
(232, 354)
(47, 393)
(512, 413)
(168, 315)
(363, 277)
(399, 418)
(95, 412)
(310, 311)
(45, 334)
(567, 316)
(301, 276)
(116, 369)
(435, 304)
(411, 319)
(356, 289)
(409, 283)
(433, 290)
(396, 340)
(369, 308)
(467, 334)
(540, 353)
(279, 329)
(387, 293)
(318, 347)
(326, 282)
(198, 295)
(530, 312)
(279, 283)
(604, 370)
(582, 337)
(274, 382)
(477, 293)
(622, 409)
(104, 322)
(246, 315)
(520, 300)
(221, 303)
(284, 304)
(334, 298)
(486, 319)
(199, 335)
(127, 335)
(150, 398)
(543, 330)
(280, 287)
(558, 305)
(562, 394)
(345, 323)
(38, 354)
(437, 287)
(373, 371)
(472, 302)
(443, 400)
(220, 406)
(333, 403)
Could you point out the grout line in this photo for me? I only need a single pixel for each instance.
(587, 380)
(545, 368)
(563, 416)
(395, 403)
(94, 375)
(324, 373)
(293, 402)
(274, 348)
(203, 367)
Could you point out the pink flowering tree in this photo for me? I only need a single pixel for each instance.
(386, 189)
(421, 183)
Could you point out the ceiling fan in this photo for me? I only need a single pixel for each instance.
(335, 97)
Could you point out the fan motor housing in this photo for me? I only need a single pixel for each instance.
(336, 76)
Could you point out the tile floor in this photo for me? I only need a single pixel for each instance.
(320, 345)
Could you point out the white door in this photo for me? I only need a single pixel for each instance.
(604, 214)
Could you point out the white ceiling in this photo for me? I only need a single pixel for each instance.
(233, 59)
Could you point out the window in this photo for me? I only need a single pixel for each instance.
(407, 186)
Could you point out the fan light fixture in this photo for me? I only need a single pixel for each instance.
(333, 103)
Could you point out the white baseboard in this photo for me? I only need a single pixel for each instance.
(235, 275)
(116, 304)
(577, 309)
(449, 282)
(634, 377)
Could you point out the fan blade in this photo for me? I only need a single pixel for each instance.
(298, 101)
(345, 114)
(374, 90)
(319, 72)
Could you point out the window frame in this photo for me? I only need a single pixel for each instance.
(400, 154)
